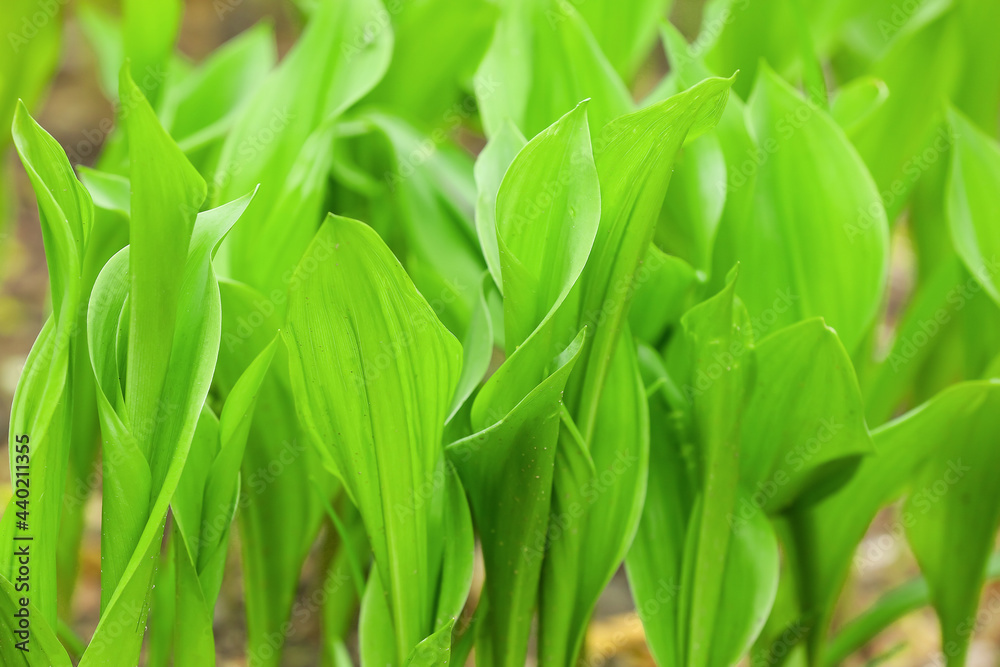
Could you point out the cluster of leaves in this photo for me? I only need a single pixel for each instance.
(655, 333)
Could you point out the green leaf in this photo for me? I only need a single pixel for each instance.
(655, 559)
(900, 141)
(717, 340)
(665, 287)
(148, 34)
(972, 213)
(435, 651)
(42, 646)
(804, 430)
(596, 504)
(278, 523)
(429, 198)
(543, 61)
(909, 451)
(507, 469)
(632, 193)
(548, 209)
(42, 410)
(888, 609)
(167, 193)
(693, 208)
(287, 127)
(33, 53)
(956, 503)
(148, 429)
(856, 102)
(744, 35)
(202, 106)
(811, 250)
(374, 372)
(491, 165)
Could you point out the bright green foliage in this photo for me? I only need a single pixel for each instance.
(373, 386)
(810, 250)
(464, 279)
(42, 409)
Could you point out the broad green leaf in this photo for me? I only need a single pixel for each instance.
(374, 371)
(811, 250)
(605, 396)
(203, 508)
(804, 430)
(742, 34)
(929, 315)
(167, 193)
(977, 93)
(693, 208)
(654, 562)
(548, 210)
(435, 651)
(32, 55)
(144, 454)
(749, 587)
(108, 235)
(596, 504)
(477, 353)
(972, 212)
(375, 625)
(737, 182)
(429, 198)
